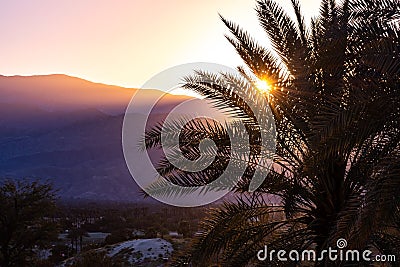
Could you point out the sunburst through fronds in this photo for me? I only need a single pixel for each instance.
(263, 86)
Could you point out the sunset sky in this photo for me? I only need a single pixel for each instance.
(121, 42)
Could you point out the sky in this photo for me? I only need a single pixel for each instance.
(123, 42)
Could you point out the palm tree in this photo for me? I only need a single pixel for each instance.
(334, 97)
(77, 234)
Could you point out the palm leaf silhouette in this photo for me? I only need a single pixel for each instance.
(336, 171)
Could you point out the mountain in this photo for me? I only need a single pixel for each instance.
(68, 131)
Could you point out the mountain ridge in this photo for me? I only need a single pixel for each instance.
(50, 130)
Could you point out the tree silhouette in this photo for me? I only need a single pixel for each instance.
(77, 234)
(334, 94)
(23, 225)
(184, 228)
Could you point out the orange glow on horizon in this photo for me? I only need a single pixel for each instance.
(124, 42)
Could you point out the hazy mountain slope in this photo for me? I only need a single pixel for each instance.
(68, 130)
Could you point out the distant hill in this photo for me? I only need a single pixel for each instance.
(68, 130)
(62, 93)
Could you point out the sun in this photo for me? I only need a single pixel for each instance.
(263, 86)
